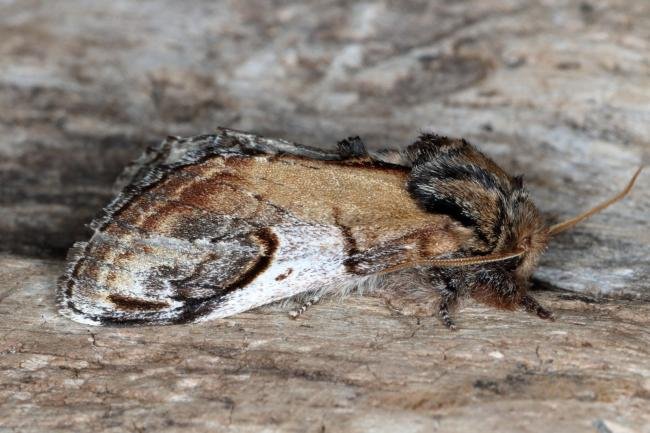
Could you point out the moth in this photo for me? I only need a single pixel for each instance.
(210, 226)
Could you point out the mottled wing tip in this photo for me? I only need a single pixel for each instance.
(64, 295)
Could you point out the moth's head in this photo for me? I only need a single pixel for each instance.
(525, 231)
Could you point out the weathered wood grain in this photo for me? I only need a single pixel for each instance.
(347, 366)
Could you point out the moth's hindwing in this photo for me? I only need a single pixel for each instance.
(212, 226)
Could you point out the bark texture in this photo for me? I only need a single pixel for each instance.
(557, 90)
(345, 366)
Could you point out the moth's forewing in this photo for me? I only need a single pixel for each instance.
(226, 223)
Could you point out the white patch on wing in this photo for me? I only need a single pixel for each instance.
(308, 258)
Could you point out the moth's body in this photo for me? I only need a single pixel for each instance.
(213, 226)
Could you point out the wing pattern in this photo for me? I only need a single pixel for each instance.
(214, 225)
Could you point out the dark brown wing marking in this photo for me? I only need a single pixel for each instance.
(134, 304)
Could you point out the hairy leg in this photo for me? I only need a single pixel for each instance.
(447, 302)
(412, 292)
(531, 305)
(297, 312)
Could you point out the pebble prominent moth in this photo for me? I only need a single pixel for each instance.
(214, 225)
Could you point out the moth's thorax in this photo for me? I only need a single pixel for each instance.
(451, 177)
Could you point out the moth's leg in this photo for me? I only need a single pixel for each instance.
(500, 289)
(448, 301)
(297, 312)
(531, 305)
(495, 287)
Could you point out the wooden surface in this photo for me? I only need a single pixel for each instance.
(557, 90)
(348, 366)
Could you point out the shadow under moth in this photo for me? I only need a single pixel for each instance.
(210, 226)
